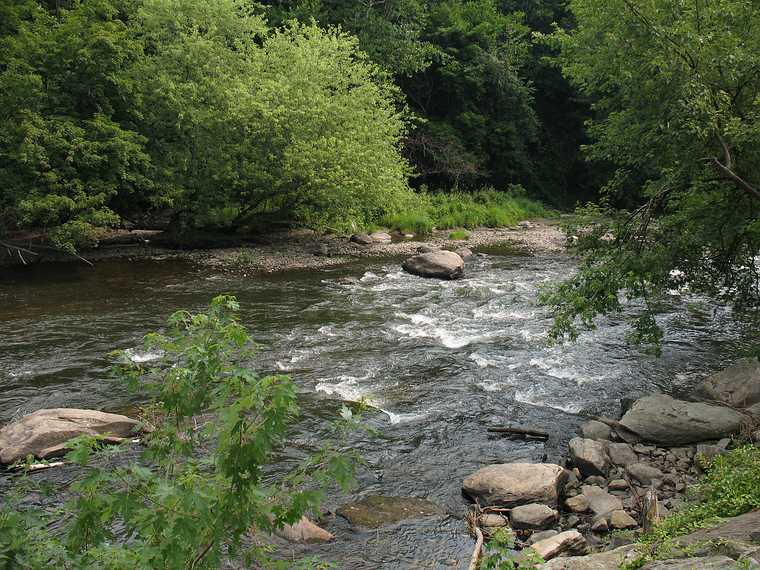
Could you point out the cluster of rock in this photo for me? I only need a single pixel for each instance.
(616, 469)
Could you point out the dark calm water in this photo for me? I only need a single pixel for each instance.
(440, 362)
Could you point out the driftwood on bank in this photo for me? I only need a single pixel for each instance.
(519, 431)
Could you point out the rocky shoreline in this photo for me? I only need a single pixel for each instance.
(627, 475)
(298, 249)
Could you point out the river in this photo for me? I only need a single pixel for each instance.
(439, 361)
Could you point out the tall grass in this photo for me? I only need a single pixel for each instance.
(484, 208)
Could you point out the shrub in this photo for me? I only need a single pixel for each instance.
(459, 234)
(201, 484)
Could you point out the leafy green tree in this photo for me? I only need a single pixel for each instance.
(202, 484)
(678, 110)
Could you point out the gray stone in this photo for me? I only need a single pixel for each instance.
(603, 561)
(618, 485)
(436, 264)
(737, 385)
(621, 454)
(593, 429)
(533, 517)
(464, 252)
(542, 535)
(621, 520)
(493, 520)
(600, 525)
(600, 501)
(704, 563)
(665, 420)
(44, 433)
(590, 456)
(362, 239)
(568, 542)
(578, 504)
(380, 237)
(513, 484)
(643, 473)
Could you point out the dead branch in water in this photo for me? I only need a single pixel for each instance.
(519, 431)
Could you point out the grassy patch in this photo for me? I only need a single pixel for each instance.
(730, 487)
(484, 208)
(459, 234)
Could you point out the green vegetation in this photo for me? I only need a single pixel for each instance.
(202, 484)
(678, 116)
(459, 234)
(500, 554)
(484, 208)
(730, 487)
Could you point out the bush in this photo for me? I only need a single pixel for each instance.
(201, 484)
(459, 234)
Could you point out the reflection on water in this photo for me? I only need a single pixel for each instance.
(440, 360)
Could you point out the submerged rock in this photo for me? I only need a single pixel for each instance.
(44, 433)
(374, 511)
(661, 419)
(514, 484)
(436, 264)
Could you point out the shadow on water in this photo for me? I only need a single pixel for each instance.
(439, 361)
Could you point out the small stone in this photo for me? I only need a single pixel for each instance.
(644, 473)
(304, 531)
(493, 520)
(542, 535)
(600, 525)
(572, 521)
(600, 501)
(533, 516)
(362, 239)
(618, 485)
(578, 504)
(642, 449)
(596, 480)
(621, 520)
(568, 542)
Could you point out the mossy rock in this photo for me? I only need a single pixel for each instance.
(374, 511)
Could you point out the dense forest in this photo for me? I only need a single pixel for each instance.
(234, 114)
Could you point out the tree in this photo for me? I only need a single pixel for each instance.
(201, 484)
(678, 113)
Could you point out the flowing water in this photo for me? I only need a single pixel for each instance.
(439, 361)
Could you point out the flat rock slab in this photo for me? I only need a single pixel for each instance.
(436, 264)
(744, 528)
(514, 484)
(374, 511)
(44, 433)
(603, 561)
(661, 419)
(705, 563)
(568, 542)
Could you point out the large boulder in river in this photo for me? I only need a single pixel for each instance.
(661, 419)
(437, 264)
(514, 484)
(44, 433)
(737, 386)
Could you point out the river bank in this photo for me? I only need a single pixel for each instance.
(292, 250)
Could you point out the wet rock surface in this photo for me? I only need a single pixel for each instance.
(374, 511)
(436, 264)
(514, 484)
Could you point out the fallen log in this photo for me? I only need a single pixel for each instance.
(519, 431)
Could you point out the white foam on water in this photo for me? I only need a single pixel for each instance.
(536, 400)
(281, 366)
(327, 330)
(347, 389)
(139, 356)
(482, 361)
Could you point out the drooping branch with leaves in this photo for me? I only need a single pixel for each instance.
(678, 114)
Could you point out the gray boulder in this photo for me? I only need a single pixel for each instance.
(514, 484)
(621, 454)
(737, 385)
(464, 252)
(644, 473)
(661, 419)
(533, 517)
(600, 501)
(436, 264)
(362, 239)
(44, 433)
(704, 563)
(380, 237)
(593, 429)
(589, 456)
